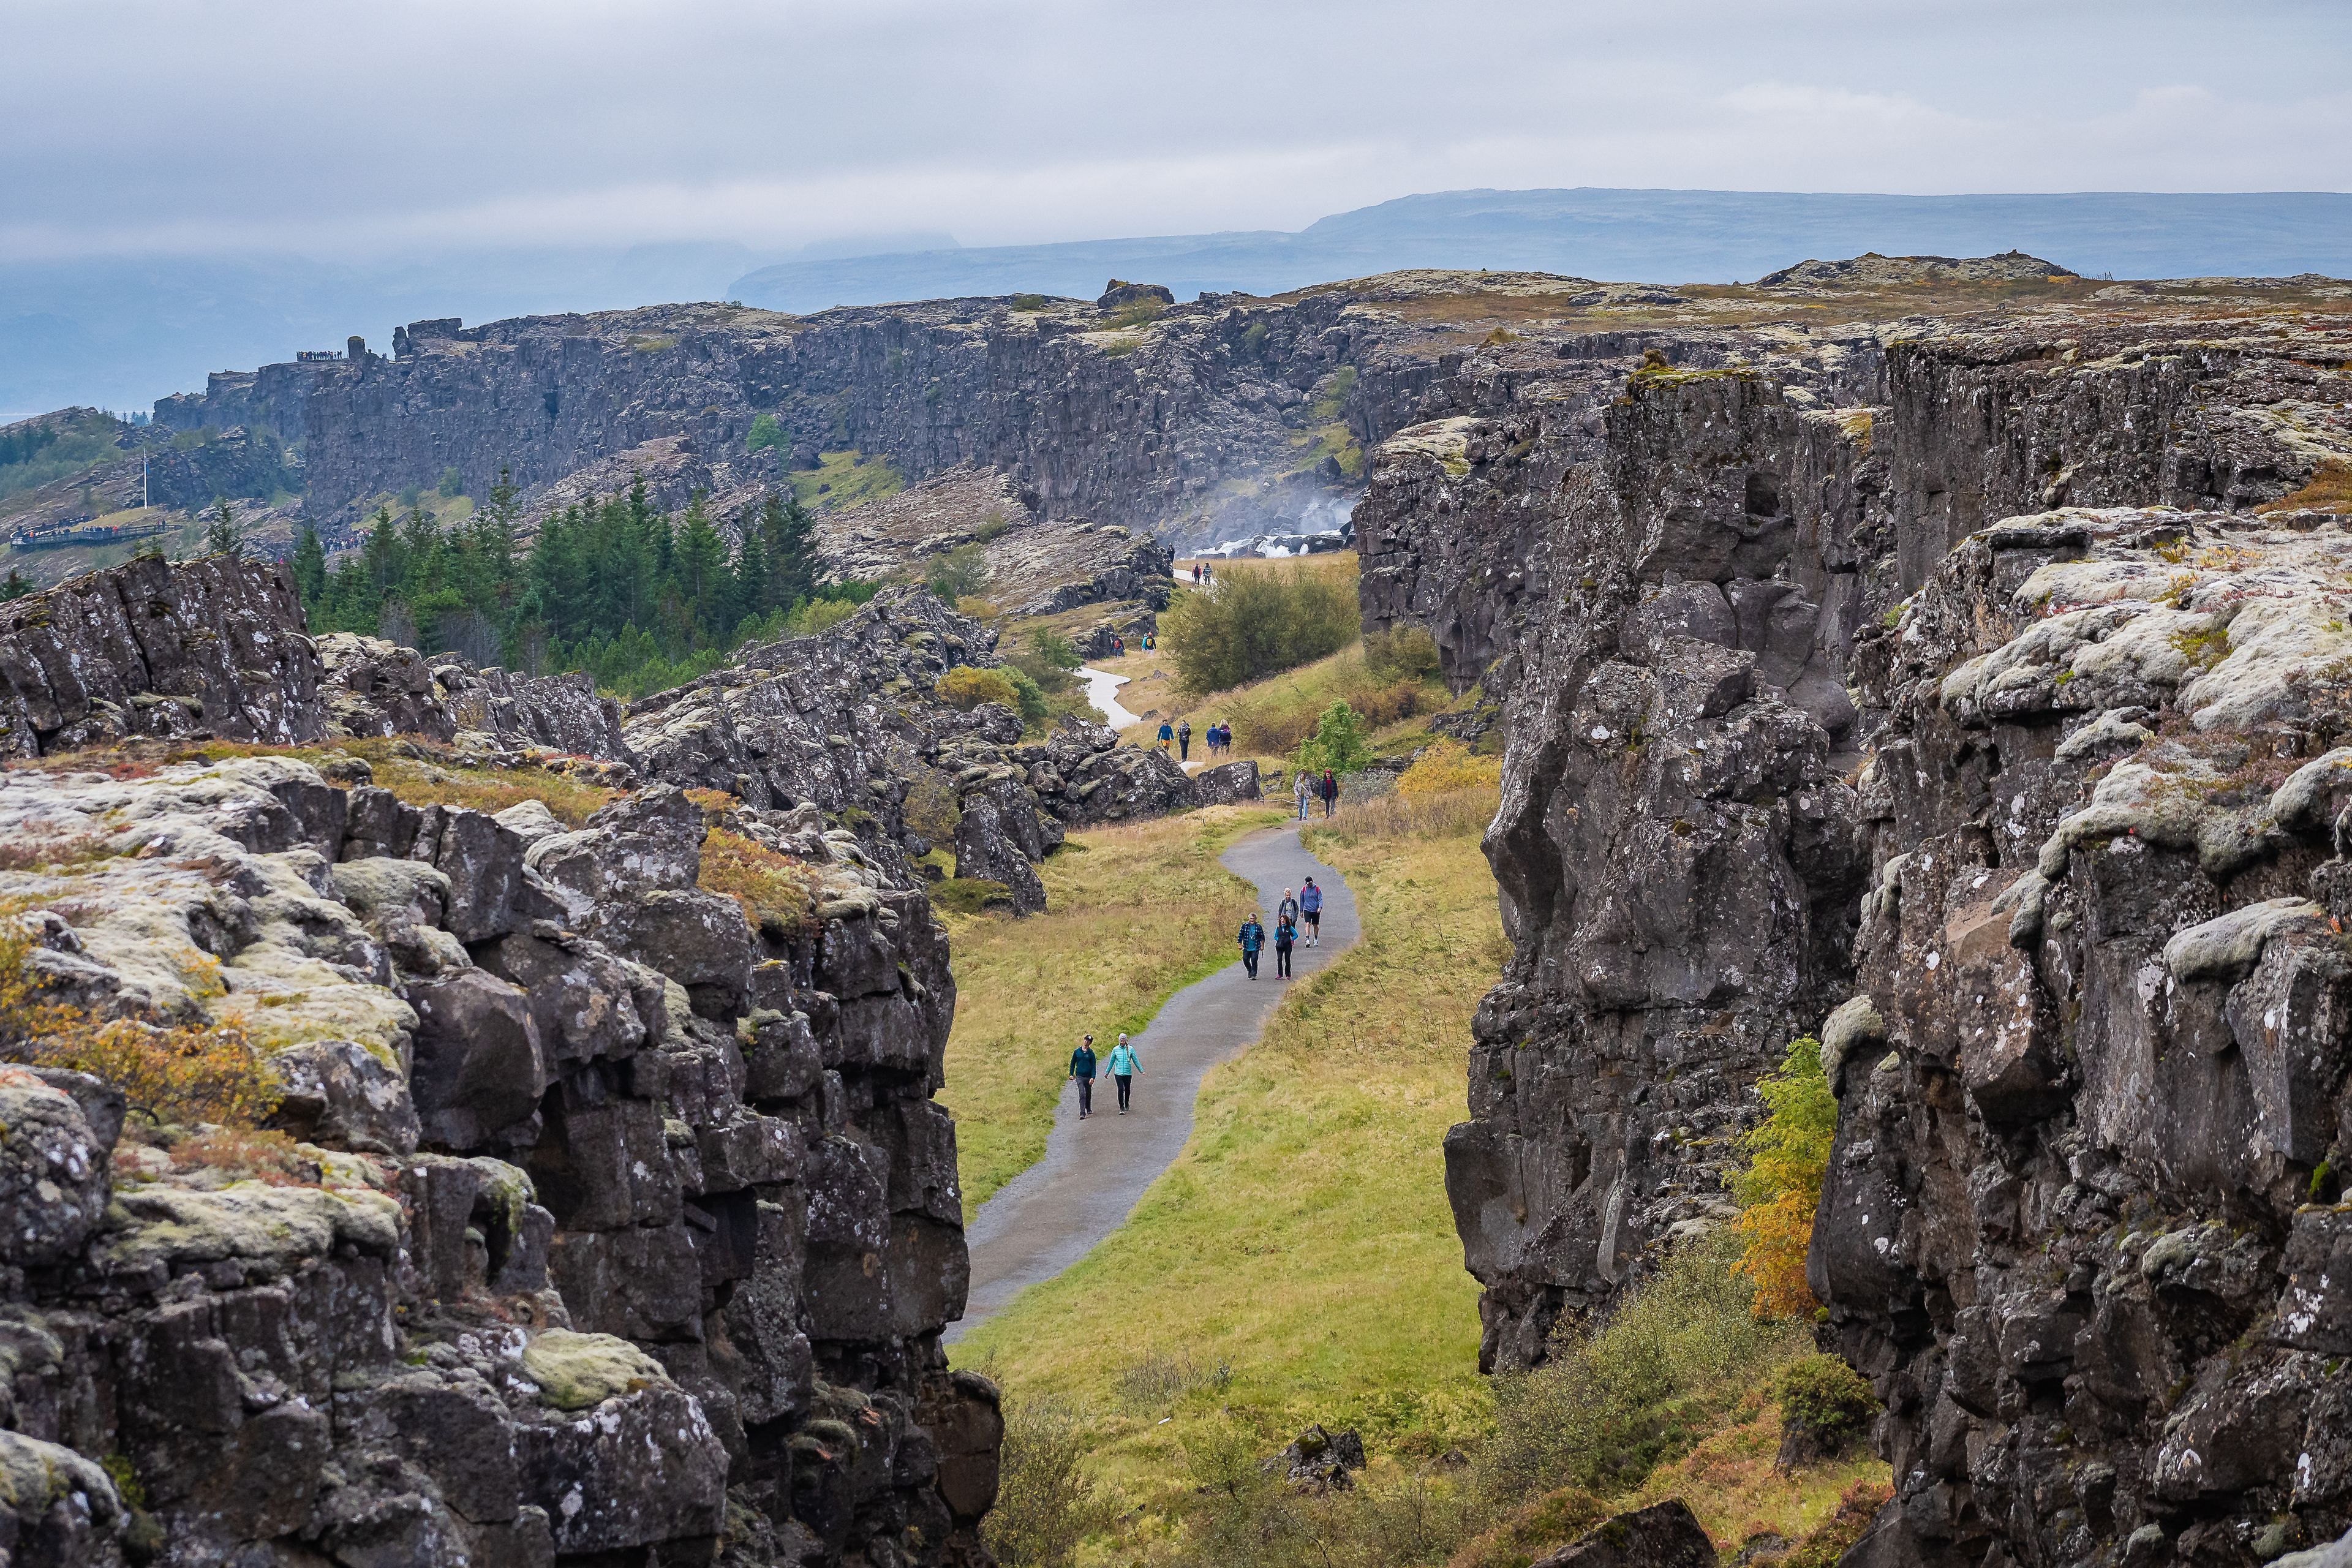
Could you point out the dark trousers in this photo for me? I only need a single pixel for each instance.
(1249, 961)
(1123, 1080)
(1086, 1096)
(1184, 748)
(1281, 959)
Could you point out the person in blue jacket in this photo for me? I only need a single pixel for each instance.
(1311, 910)
(1285, 936)
(1082, 1073)
(1124, 1065)
(1253, 939)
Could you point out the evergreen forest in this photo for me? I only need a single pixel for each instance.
(639, 599)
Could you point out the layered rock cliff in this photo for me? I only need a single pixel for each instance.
(622, 1225)
(1722, 580)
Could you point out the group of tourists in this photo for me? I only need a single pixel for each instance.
(1179, 733)
(1299, 915)
(1298, 918)
(1204, 575)
(1123, 1065)
(1309, 786)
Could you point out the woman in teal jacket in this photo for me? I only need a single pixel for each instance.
(1123, 1068)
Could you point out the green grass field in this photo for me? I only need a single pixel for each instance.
(1299, 1262)
(1133, 913)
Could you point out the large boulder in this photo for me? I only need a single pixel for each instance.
(479, 1067)
(53, 1172)
(1663, 1535)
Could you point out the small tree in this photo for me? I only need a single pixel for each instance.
(222, 538)
(1788, 1153)
(1339, 742)
(1054, 650)
(958, 574)
(17, 585)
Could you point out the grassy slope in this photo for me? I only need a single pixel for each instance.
(1133, 913)
(1303, 1239)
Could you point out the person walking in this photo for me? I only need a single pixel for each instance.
(1167, 733)
(1330, 791)
(1123, 1068)
(1299, 788)
(1208, 573)
(1184, 742)
(1285, 936)
(1311, 910)
(1253, 939)
(1196, 574)
(1286, 911)
(1082, 1073)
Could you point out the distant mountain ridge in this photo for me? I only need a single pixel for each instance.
(1630, 235)
(119, 332)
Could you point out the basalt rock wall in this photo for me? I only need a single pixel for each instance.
(621, 1228)
(1137, 421)
(1682, 562)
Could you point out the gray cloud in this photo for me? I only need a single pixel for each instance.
(355, 129)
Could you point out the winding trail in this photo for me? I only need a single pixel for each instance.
(1052, 1214)
(1102, 690)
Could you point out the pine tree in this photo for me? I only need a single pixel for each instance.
(17, 585)
(698, 563)
(310, 568)
(221, 538)
(755, 578)
(791, 540)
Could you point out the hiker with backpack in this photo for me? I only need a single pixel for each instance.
(1184, 742)
(1253, 939)
(1285, 936)
(1311, 910)
(1330, 791)
(1301, 785)
(1167, 733)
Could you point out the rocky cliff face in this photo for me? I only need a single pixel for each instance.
(1202, 421)
(1726, 582)
(2083, 1221)
(620, 1224)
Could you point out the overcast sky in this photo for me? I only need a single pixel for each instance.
(333, 128)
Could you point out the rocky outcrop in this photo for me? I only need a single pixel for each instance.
(217, 649)
(201, 649)
(1792, 748)
(2083, 1221)
(622, 1225)
(1034, 565)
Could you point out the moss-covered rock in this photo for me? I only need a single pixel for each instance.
(577, 1372)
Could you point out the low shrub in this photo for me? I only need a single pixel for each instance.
(190, 1073)
(772, 887)
(1045, 1500)
(1619, 1398)
(957, 575)
(1826, 1399)
(1258, 622)
(966, 687)
(1401, 653)
(1447, 767)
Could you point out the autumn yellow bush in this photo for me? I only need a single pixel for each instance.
(772, 887)
(1444, 766)
(204, 1072)
(967, 687)
(1788, 1153)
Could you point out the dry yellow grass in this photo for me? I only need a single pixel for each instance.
(1132, 914)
